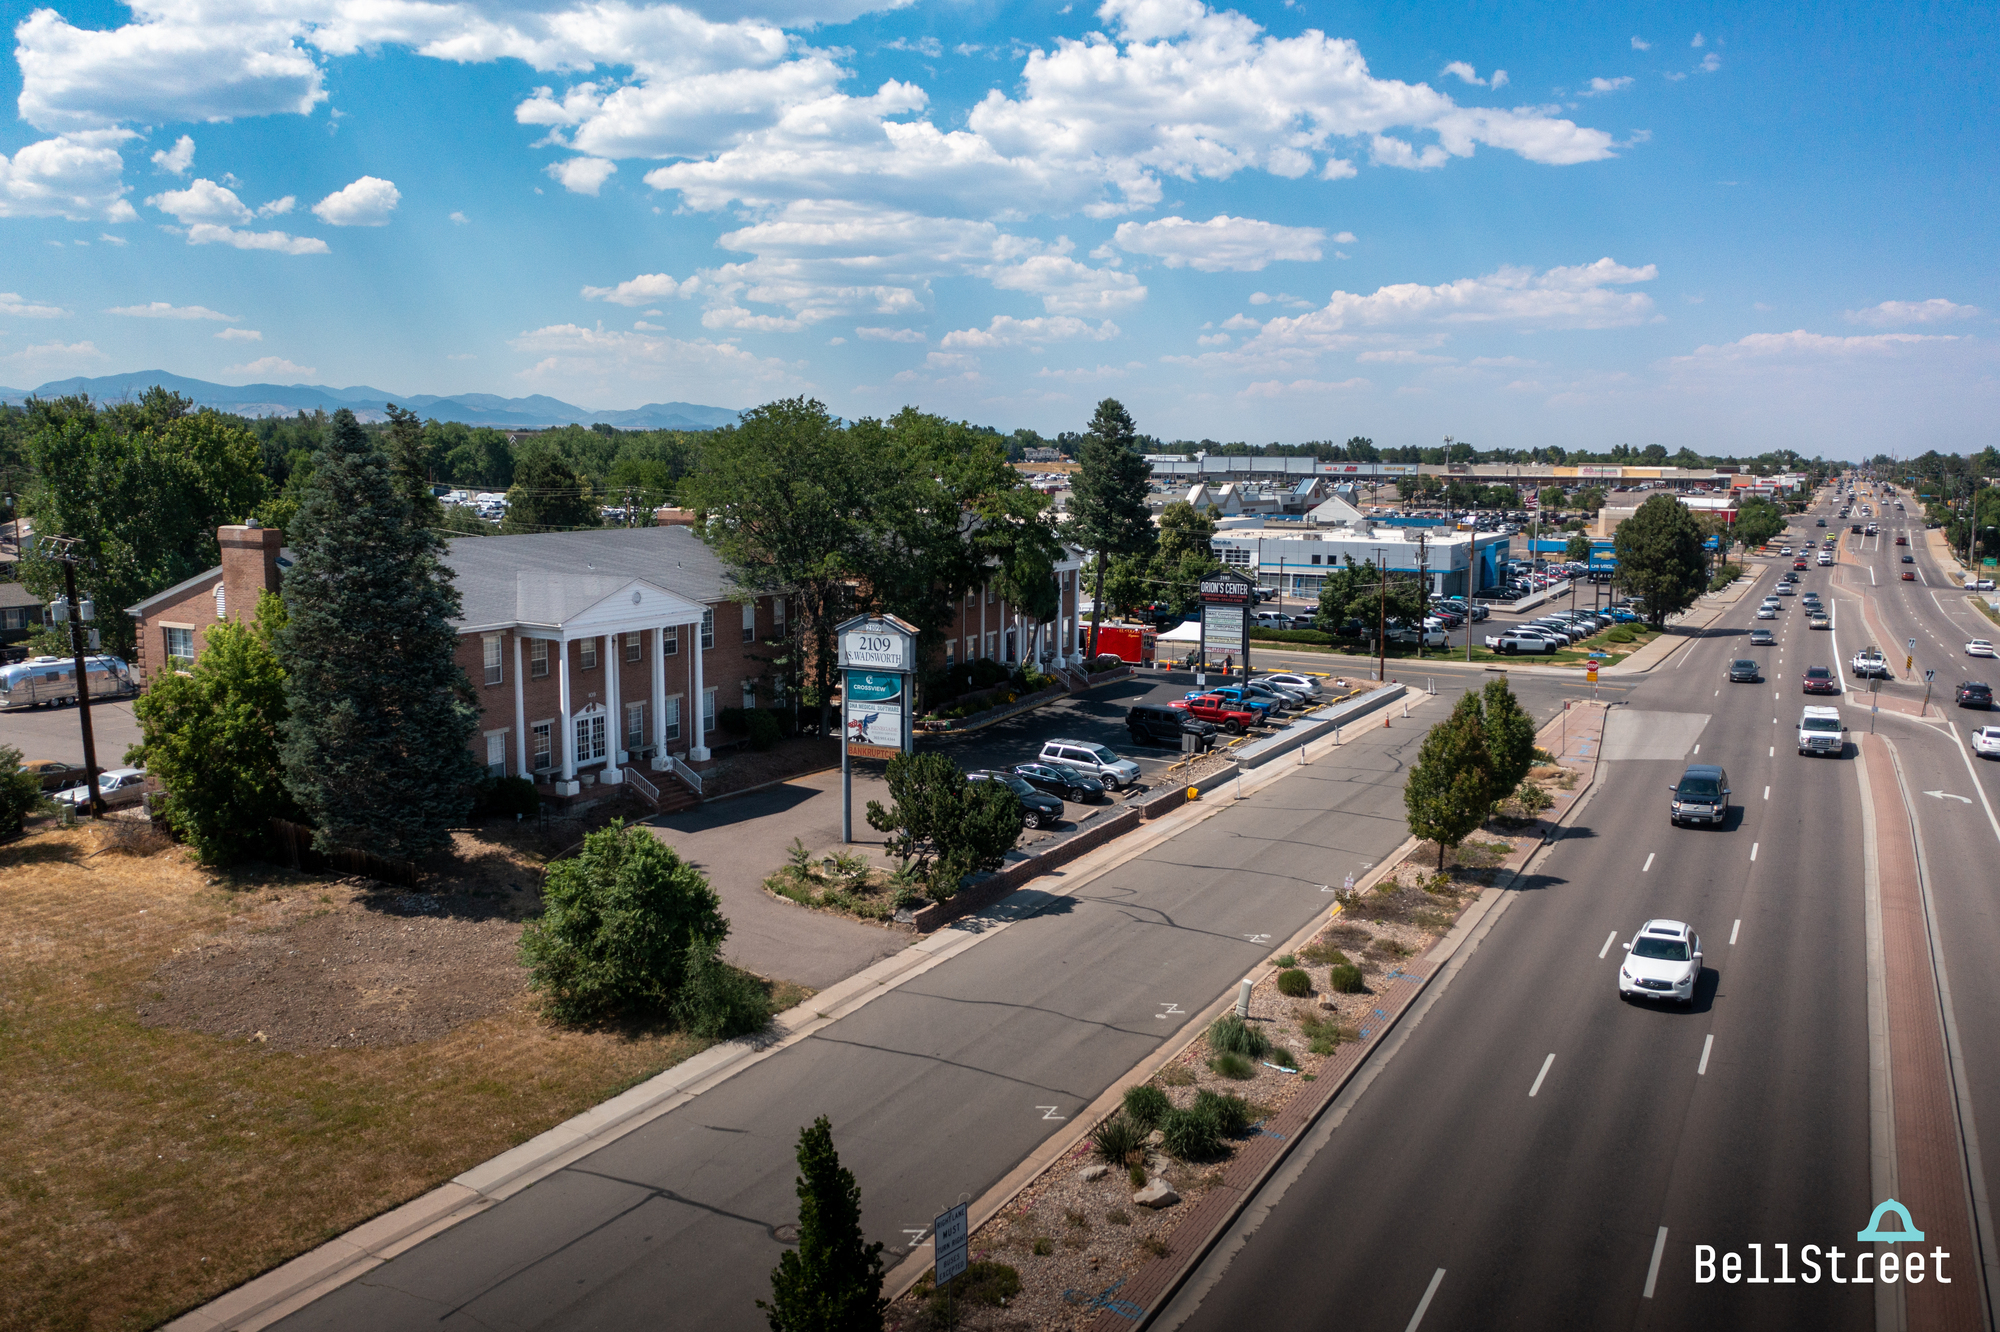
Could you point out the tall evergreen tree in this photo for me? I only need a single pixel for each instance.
(1449, 791)
(833, 1281)
(375, 748)
(409, 456)
(1108, 514)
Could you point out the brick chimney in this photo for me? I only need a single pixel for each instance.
(249, 566)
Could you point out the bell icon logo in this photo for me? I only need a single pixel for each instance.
(1874, 1233)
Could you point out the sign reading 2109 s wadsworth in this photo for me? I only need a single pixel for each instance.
(876, 646)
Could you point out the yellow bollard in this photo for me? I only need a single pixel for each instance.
(1194, 793)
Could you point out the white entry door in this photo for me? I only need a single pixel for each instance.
(590, 739)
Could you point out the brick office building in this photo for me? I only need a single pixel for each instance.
(587, 651)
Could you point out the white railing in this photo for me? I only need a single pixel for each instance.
(634, 777)
(685, 773)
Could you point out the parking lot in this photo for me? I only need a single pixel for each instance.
(52, 732)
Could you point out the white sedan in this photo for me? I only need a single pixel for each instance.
(1979, 647)
(1767, 612)
(1986, 742)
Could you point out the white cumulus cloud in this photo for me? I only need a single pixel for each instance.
(272, 368)
(365, 203)
(202, 201)
(240, 335)
(1891, 313)
(22, 308)
(573, 354)
(1221, 244)
(281, 242)
(890, 335)
(1641, 44)
(641, 290)
(581, 175)
(1007, 331)
(176, 160)
(73, 176)
(51, 357)
(1599, 87)
(164, 310)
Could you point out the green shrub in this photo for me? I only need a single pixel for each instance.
(1189, 1135)
(733, 720)
(20, 792)
(621, 919)
(717, 1000)
(763, 728)
(1229, 1114)
(1323, 953)
(1233, 1066)
(1044, 1246)
(503, 797)
(1292, 636)
(1294, 983)
(1145, 1105)
(1346, 979)
(1116, 1137)
(1533, 799)
(1283, 1058)
(1230, 1034)
(1286, 960)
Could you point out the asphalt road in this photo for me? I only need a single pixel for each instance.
(1531, 1134)
(935, 1090)
(54, 732)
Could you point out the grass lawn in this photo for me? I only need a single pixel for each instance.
(146, 1167)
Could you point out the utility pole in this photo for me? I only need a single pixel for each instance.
(1423, 584)
(66, 556)
(1382, 615)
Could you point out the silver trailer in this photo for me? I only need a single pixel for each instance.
(43, 680)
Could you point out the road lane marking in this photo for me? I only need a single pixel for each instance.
(1425, 1302)
(1649, 862)
(1773, 753)
(1767, 790)
(1707, 1044)
(1753, 850)
(1610, 939)
(1697, 749)
(1652, 1268)
(1544, 1073)
(1734, 930)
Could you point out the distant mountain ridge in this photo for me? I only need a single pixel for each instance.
(367, 403)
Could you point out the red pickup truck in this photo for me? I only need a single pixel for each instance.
(1214, 708)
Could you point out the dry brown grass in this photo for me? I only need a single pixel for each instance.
(145, 1170)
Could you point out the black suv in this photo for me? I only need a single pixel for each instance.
(1975, 694)
(1700, 796)
(1037, 810)
(1059, 780)
(1158, 724)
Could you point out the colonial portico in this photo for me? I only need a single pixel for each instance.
(607, 621)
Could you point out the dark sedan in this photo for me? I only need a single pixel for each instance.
(1060, 780)
(1743, 671)
(1819, 680)
(1975, 694)
(1038, 810)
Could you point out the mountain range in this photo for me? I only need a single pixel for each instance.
(481, 409)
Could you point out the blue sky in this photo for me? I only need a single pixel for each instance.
(1731, 228)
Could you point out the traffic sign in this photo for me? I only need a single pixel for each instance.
(948, 1241)
(1929, 676)
(1913, 645)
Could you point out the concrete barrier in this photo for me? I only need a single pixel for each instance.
(1315, 725)
(980, 891)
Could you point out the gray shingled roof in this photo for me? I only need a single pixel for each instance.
(488, 571)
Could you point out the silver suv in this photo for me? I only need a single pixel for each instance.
(1100, 762)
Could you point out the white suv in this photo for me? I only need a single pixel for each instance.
(1663, 961)
(1100, 762)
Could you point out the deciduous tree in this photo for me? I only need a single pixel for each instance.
(1449, 791)
(547, 495)
(212, 736)
(832, 1282)
(1660, 557)
(1510, 737)
(943, 826)
(376, 745)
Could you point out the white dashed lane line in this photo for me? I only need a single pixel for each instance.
(1610, 939)
(1734, 930)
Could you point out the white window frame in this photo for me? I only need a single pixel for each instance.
(541, 748)
(749, 695)
(672, 729)
(586, 650)
(749, 621)
(635, 726)
(490, 646)
(221, 601)
(707, 627)
(538, 659)
(778, 615)
(175, 661)
(593, 744)
(673, 640)
(496, 753)
(635, 647)
(708, 710)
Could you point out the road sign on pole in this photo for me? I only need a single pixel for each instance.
(948, 1240)
(1913, 645)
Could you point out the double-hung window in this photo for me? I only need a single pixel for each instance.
(544, 750)
(180, 649)
(492, 650)
(538, 658)
(749, 621)
(708, 628)
(634, 647)
(673, 719)
(707, 710)
(587, 647)
(673, 641)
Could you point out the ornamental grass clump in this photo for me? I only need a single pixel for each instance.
(1230, 1034)
(1346, 979)
(1145, 1105)
(1294, 983)
(1116, 1138)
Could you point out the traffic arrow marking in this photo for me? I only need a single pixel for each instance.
(1946, 795)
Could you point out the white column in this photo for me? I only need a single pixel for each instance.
(567, 734)
(659, 699)
(1003, 632)
(614, 720)
(520, 715)
(698, 748)
(983, 592)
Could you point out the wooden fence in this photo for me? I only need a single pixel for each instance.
(293, 844)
